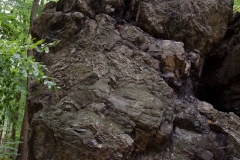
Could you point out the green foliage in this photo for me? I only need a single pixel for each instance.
(236, 7)
(14, 18)
(15, 67)
(8, 149)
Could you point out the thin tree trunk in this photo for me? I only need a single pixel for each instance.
(7, 132)
(1, 132)
(16, 117)
(42, 3)
(6, 135)
(13, 138)
(13, 132)
(34, 11)
(23, 147)
(3, 122)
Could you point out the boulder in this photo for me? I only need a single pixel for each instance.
(198, 24)
(113, 102)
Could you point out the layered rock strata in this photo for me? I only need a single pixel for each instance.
(113, 102)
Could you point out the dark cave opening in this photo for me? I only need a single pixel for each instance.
(219, 83)
(217, 88)
(122, 13)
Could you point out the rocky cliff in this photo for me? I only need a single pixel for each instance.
(129, 72)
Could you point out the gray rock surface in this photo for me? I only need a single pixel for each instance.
(199, 24)
(113, 102)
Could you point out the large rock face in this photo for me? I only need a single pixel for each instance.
(199, 24)
(113, 102)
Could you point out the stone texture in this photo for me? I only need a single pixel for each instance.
(113, 102)
(177, 66)
(199, 24)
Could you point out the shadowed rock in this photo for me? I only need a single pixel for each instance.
(220, 79)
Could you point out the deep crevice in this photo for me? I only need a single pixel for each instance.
(219, 83)
(122, 13)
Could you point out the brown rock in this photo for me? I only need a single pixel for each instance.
(199, 24)
(113, 102)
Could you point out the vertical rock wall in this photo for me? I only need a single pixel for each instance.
(111, 65)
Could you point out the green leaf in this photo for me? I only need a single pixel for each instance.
(39, 42)
(29, 39)
(46, 49)
(39, 49)
(55, 43)
(21, 36)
